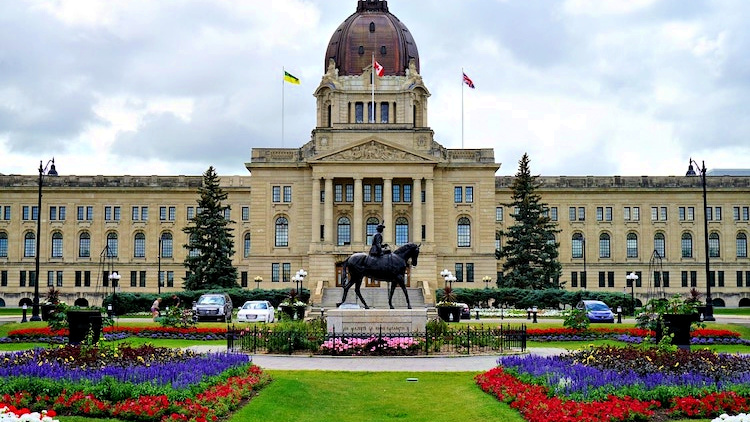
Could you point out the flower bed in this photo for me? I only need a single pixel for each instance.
(144, 383)
(579, 385)
(629, 335)
(373, 345)
(47, 335)
(11, 414)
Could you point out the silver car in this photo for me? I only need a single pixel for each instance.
(214, 306)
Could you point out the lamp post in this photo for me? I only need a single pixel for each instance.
(114, 280)
(52, 172)
(486, 280)
(444, 274)
(299, 278)
(258, 280)
(708, 314)
(632, 277)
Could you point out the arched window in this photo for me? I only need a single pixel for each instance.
(139, 245)
(464, 232)
(194, 251)
(112, 245)
(713, 245)
(402, 231)
(84, 245)
(371, 228)
(282, 232)
(343, 232)
(57, 245)
(659, 245)
(632, 245)
(604, 246)
(167, 248)
(3, 245)
(741, 245)
(29, 245)
(577, 245)
(687, 245)
(246, 245)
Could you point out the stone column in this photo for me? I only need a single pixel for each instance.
(315, 222)
(357, 227)
(328, 212)
(430, 214)
(416, 209)
(388, 210)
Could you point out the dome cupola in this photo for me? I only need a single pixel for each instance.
(372, 30)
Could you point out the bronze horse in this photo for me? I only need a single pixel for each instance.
(390, 267)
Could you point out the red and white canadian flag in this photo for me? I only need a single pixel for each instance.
(378, 69)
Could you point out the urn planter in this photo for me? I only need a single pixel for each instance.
(83, 321)
(294, 312)
(449, 313)
(678, 325)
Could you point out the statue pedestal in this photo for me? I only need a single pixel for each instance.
(376, 320)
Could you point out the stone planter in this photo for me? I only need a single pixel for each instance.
(678, 325)
(449, 313)
(80, 322)
(294, 312)
(48, 310)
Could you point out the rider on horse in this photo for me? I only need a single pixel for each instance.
(376, 249)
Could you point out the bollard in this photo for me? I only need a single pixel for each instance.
(619, 315)
(528, 313)
(534, 313)
(477, 315)
(25, 308)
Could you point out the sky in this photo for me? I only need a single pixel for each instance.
(585, 87)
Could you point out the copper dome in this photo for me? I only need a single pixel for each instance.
(372, 30)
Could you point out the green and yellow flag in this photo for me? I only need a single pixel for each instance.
(288, 77)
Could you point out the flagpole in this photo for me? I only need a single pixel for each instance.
(462, 108)
(372, 108)
(283, 72)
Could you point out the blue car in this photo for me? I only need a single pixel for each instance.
(596, 311)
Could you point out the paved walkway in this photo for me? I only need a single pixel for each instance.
(400, 364)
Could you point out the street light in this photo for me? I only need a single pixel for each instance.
(114, 280)
(52, 172)
(708, 314)
(299, 278)
(632, 277)
(486, 280)
(258, 280)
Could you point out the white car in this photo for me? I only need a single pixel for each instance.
(256, 311)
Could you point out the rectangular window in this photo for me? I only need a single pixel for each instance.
(87, 279)
(22, 279)
(611, 279)
(359, 112)
(378, 193)
(602, 279)
(690, 213)
(717, 213)
(396, 193)
(739, 278)
(245, 213)
(6, 212)
(25, 213)
(684, 275)
(287, 194)
(498, 213)
(458, 194)
(190, 213)
(693, 278)
(581, 214)
(243, 279)
(172, 213)
(34, 212)
(681, 213)
(50, 278)
(170, 278)
(663, 214)
(626, 213)
(52, 213)
(665, 278)
(599, 213)
(572, 213)
(61, 212)
(162, 213)
(227, 213)
(135, 214)
(133, 278)
(709, 213)
(275, 272)
(736, 213)
(469, 194)
(116, 213)
(574, 279)
(553, 213)
(78, 280)
(745, 213)
(142, 279)
(108, 213)
(276, 194)
(747, 278)
(469, 272)
(286, 272)
(459, 272)
(367, 193)
(338, 193)
(654, 213)
(349, 192)
(407, 193)
(144, 213)
(636, 213)
(383, 112)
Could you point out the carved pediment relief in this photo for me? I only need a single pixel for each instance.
(373, 151)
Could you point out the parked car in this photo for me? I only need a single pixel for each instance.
(214, 306)
(596, 311)
(465, 311)
(256, 311)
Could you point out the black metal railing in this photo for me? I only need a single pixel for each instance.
(446, 341)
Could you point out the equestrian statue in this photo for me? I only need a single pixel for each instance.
(379, 264)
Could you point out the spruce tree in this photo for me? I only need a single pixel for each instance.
(210, 243)
(530, 252)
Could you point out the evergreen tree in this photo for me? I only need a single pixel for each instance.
(530, 252)
(210, 243)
